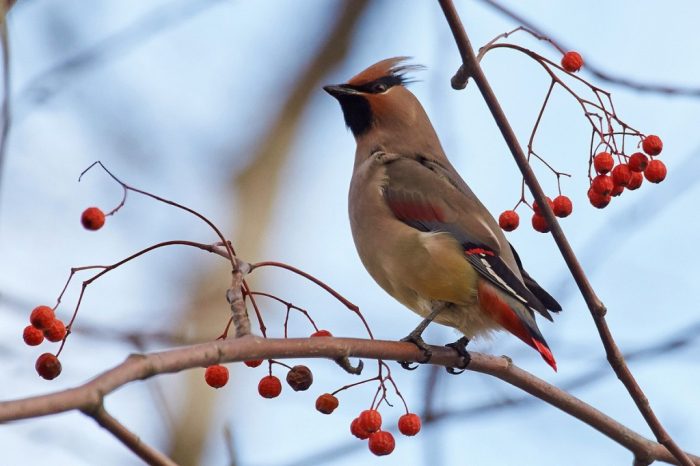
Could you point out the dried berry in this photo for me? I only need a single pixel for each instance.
(409, 424)
(370, 420)
(572, 61)
(48, 366)
(562, 206)
(537, 209)
(56, 332)
(269, 387)
(603, 185)
(32, 335)
(300, 378)
(326, 403)
(93, 218)
(655, 171)
(509, 220)
(598, 200)
(253, 362)
(321, 333)
(652, 145)
(539, 223)
(635, 181)
(603, 163)
(638, 162)
(42, 317)
(357, 430)
(216, 376)
(381, 443)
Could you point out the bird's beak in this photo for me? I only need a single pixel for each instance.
(339, 91)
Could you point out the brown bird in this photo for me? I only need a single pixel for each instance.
(421, 233)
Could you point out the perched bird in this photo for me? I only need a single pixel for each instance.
(419, 230)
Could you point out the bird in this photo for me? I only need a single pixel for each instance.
(420, 231)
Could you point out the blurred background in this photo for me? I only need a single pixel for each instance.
(217, 104)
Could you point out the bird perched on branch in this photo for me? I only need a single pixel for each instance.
(420, 231)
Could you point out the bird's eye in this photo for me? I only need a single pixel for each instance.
(379, 87)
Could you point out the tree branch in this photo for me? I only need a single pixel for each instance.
(471, 68)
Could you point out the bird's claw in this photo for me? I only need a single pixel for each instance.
(417, 340)
(460, 346)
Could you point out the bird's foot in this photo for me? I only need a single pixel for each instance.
(415, 338)
(461, 347)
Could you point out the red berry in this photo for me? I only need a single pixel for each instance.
(321, 333)
(409, 424)
(603, 185)
(300, 378)
(562, 206)
(48, 366)
(537, 209)
(42, 317)
(56, 332)
(655, 171)
(93, 218)
(572, 61)
(638, 162)
(652, 145)
(357, 430)
(635, 181)
(621, 174)
(598, 200)
(509, 220)
(370, 420)
(603, 163)
(269, 387)
(326, 403)
(253, 362)
(216, 376)
(617, 190)
(539, 223)
(381, 443)
(32, 335)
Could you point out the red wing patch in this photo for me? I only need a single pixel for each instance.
(471, 251)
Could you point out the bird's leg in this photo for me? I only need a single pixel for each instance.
(461, 347)
(416, 338)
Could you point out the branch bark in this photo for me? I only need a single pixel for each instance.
(471, 68)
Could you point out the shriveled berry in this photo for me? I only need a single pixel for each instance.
(621, 174)
(537, 209)
(635, 181)
(572, 61)
(617, 190)
(603, 185)
(42, 317)
(652, 144)
(56, 332)
(598, 200)
(655, 171)
(32, 335)
(93, 218)
(357, 430)
(216, 376)
(381, 443)
(269, 386)
(562, 206)
(300, 378)
(370, 420)
(253, 362)
(321, 333)
(326, 403)
(638, 162)
(509, 220)
(48, 366)
(539, 223)
(409, 424)
(603, 162)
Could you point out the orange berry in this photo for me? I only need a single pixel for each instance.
(655, 171)
(321, 333)
(562, 206)
(409, 424)
(598, 200)
(326, 403)
(537, 209)
(42, 317)
(572, 61)
(509, 220)
(652, 144)
(56, 332)
(48, 366)
(603, 185)
(621, 174)
(32, 335)
(300, 378)
(269, 387)
(381, 443)
(635, 181)
(638, 162)
(93, 218)
(539, 223)
(357, 430)
(603, 163)
(370, 420)
(253, 362)
(617, 190)
(216, 376)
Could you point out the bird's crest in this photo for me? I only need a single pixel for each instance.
(390, 67)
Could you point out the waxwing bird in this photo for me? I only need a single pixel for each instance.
(419, 230)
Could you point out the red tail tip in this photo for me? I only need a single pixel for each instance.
(546, 354)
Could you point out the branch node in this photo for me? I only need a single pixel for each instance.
(346, 365)
(460, 79)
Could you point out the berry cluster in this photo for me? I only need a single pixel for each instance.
(45, 324)
(368, 425)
